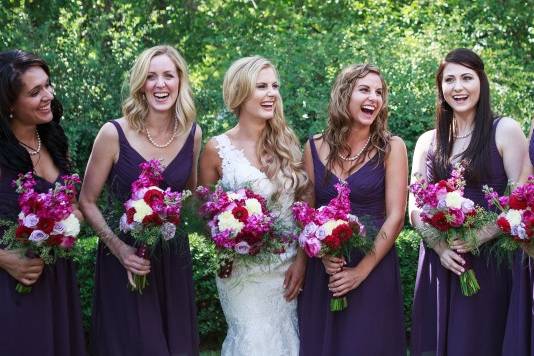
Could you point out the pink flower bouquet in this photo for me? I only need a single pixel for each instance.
(239, 222)
(331, 230)
(516, 218)
(47, 227)
(444, 207)
(151, 214)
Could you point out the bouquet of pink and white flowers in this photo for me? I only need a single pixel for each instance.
(516, 219)
(151, 214)
(331, 230)
(240, 224)
(47, 227)
(444, 207)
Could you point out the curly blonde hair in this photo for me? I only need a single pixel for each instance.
(135, 107)
(340, 120)
(278, 149)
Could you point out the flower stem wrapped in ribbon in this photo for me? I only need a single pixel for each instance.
(445, 209)
(47, 227)
(151, 215)
(331, 230)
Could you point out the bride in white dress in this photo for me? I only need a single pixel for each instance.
(260, 152)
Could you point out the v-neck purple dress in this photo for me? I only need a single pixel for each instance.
(519, 336)
(445, 322)
(47, 321)
(373, 323)
(161, 321)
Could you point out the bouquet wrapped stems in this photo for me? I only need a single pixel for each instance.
(140, 281)
(338, 303)
(22, 288)
(468, 279)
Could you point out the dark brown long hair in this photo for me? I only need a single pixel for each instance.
(477, 153)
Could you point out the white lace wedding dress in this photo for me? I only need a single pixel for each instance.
(260, 321)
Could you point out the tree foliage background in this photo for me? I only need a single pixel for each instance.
(90, 46)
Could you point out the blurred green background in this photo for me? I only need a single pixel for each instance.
(90, 45)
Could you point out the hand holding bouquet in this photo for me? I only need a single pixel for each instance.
(151, 214)
(47, 227)
(239, 222)
(331, 230)
(516, 218)
(444, 207)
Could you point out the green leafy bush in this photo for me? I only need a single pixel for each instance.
(408, 250)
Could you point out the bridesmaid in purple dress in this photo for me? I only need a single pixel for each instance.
(445, 322)
(519, 336)
(158, 123)
(46, 321)
(357, 148)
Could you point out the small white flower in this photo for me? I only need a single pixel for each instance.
(123, 224)
(228, 222)
(72, 226)
(233, 196)
(454, 200)
(30, 220)
(142, 210)
(59, 229)
(242, 248)
(168, 230)
(38, 236)
(467, 205)
(514, 217)
(253, 206)
(330, 225)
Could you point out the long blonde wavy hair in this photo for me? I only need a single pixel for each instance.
(135, 107)
(278, 149)
(340, 120)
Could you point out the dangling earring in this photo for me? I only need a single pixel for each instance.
(10, 115)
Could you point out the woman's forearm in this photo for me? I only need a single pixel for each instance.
(94, 217)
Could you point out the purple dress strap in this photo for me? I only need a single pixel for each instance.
(162, 320)
(48, 320)
(444, 321)
(375, 308)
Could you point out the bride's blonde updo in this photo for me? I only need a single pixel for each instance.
(135, 107)
(278, 149)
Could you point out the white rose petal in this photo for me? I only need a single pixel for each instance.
(454, 200)
(72, 226)
(253, 206)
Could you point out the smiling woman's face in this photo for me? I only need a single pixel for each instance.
(32, 106)
(366, 99)
(262, 102)
(461, 88)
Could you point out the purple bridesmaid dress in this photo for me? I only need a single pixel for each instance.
(161, 321)
(445, 322)
(519, 336)
(48, 320)
(373, 323)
